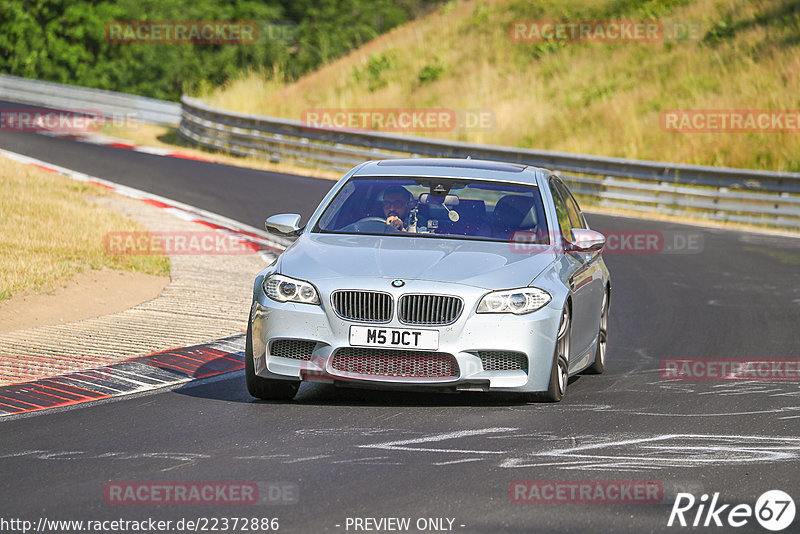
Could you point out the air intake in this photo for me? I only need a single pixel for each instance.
(501, 360)
(295, 349)
(395, 363)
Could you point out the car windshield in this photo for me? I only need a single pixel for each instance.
(437, 207)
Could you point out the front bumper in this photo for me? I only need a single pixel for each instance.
(532, 335)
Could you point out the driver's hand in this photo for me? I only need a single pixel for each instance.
(395, 221)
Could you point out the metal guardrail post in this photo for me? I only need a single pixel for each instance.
(761, 197)
(745, 195)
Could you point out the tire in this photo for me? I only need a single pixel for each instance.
(265, 388)
(599, 364)
(559, 372)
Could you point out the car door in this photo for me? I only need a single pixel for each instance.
(590, 279)
(576, 275)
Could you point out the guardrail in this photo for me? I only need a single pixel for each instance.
(71, 97)
(741, 195)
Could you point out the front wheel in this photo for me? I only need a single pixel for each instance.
(265, 388)
(599, 364)
(559, 373)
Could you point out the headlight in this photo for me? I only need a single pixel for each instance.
(518, 301)
(285, 289)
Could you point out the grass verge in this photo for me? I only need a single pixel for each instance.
(51, 230)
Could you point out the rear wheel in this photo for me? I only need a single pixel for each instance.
(599, 364)
(265, 388)
(559, 374)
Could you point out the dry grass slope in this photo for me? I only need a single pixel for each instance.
(592, 98)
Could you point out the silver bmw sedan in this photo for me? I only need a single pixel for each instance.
(436, 274)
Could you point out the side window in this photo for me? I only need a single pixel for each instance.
(561, 212)
(575, 215)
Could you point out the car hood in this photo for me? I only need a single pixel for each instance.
(489, 265)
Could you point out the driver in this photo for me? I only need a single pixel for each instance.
(395, 206)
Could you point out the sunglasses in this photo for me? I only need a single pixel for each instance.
(394, 203)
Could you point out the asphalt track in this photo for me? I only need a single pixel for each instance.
(358, 453)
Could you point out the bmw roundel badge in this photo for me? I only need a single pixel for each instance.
(398, 283)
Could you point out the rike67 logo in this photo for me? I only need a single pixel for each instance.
(774, 510)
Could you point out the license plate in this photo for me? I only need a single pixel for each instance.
(368, 336)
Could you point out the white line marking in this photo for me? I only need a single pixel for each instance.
(263, 457)
(296, 460)
(22, 453)
(671, 450)
(465, 460)
(66, 455)
(360, 460)
(776, 410)
(400, 445)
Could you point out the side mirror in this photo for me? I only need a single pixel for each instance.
(284, 224)
(584, 240)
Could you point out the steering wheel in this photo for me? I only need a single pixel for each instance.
(370, 225)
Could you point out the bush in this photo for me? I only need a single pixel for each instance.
(431, 72)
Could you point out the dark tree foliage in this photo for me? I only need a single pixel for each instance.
(64, 40)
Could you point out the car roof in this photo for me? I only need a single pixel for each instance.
(451, 168)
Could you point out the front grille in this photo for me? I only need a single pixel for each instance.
(429, 309)
(503, 360)
(292, 348)
(399, 363)
(367, 306)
